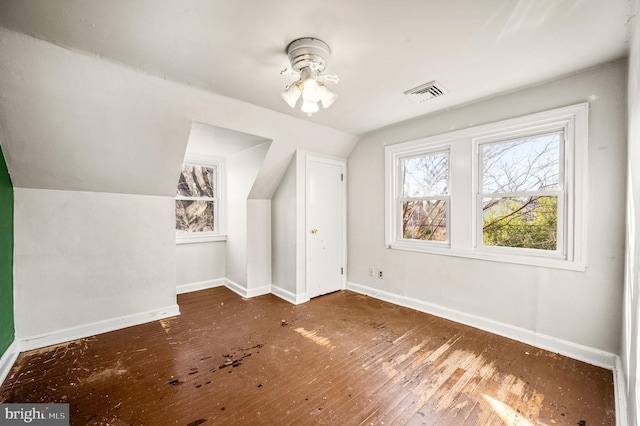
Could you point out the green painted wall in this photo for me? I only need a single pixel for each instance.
(6, 257)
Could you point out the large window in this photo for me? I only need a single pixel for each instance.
(521, 192)
(512, 191)
(198, 203)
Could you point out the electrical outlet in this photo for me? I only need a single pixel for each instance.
(380, 274)
(371, 271)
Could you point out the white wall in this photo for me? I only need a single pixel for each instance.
(83, 257)
(578, 307)
(258, 247)
(630, 352)
(301, 225)
(200, 262)
(283, 231)
(241, 172)
(75, 122)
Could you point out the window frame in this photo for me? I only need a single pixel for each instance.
(218, 202)
(464, 230)
(560, 193)
(401, 198)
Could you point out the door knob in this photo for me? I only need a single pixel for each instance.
(313, 231)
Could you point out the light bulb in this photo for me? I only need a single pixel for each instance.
(312, 92)
(310, 83)
(310, 107)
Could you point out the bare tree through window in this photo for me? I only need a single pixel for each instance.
(520, 189)
(195, 199)
(513, 191)
(425, 181)
(519, 193)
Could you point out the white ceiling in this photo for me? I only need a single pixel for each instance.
(380, 48)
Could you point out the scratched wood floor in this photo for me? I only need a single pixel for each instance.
(341, 359)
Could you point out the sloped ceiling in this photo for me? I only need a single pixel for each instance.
(207, 140)
(380, 48)
(71, 121)
(101, 95)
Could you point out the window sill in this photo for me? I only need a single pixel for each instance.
(199, 238)
(542, 261)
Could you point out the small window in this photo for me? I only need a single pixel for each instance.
(521, 192)
(425, 197)
(195, 199)
(198, 203)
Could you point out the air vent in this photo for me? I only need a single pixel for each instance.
(431, 90)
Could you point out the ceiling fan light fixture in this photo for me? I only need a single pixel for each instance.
(312, 93)
(309, 77)
(310, 107)
(328, 97)
(291, 94)
(309, 57)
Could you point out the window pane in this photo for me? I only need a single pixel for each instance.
(424, 220)
(522, 165)
(194, 216)
(526, 222)
(196, 181)
(425, 176)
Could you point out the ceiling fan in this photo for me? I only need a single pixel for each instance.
(309, 58)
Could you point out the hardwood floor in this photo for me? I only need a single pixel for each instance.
(341, 359)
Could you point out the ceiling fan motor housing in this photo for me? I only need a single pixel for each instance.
(308, 52)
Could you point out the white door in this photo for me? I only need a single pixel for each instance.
(325, 226)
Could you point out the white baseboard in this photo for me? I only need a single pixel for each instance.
(7, 360)
(258, 291)
(573, 350)
(247, 293)
(620, 393)
(199, 285)
(235, 287)
(295, 299)
(91, 329)
(242, 291)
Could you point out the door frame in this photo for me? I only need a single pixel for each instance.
(343, 165)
